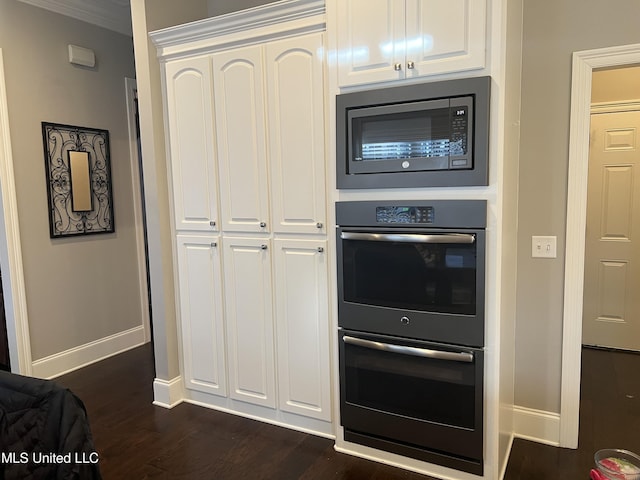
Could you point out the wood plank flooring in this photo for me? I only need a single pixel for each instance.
(609, 418)
(137, 440)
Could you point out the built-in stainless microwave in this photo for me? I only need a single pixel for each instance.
(424, 135)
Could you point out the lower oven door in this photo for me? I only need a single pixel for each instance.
(416, 399)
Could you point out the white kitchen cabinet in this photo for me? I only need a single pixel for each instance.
(288, 196)
(295, 114)
(249, 320)
(246, 102)
(201, 313)
(240, 134)
(302, 334)
(386, 40)
(191, 137)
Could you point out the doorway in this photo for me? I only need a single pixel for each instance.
(584, 63)
(5, 359)
(611, 308)
(135, 153)
(14, 297)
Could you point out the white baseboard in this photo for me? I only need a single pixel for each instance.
(168, 393)
(537, 425)
(83, 355)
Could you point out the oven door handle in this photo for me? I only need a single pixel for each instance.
(466, 357)
(411, 237)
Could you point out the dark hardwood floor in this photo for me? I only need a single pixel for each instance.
(609, 418)
(137, 440)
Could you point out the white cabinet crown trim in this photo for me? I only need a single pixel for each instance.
(252, 25)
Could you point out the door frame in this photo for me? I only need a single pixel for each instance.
(15, 302)
(131, 88)
(584, 62)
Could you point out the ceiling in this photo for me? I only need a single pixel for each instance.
(111, 14)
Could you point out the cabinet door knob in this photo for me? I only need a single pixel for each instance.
(320, 249)
(214, 244)
(212, 223)
(397, 67)
(263, 224)
(263, 247)
(411, 65)
(319, 225)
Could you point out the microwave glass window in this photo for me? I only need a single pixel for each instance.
(410, 135)
(431, 277)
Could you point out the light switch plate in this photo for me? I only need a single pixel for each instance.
(543, 247)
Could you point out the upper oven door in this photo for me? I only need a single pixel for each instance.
(417, 283)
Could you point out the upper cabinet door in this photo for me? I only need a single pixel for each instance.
(240, 129)
(191, 138)
(370, 40)
(385, 40)
(294, 71)
(444, 36)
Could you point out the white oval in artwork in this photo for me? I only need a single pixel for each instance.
(405, 164)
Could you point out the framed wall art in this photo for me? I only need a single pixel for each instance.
(78, 169)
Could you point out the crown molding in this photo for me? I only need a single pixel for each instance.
(113, 15)
(212, 31)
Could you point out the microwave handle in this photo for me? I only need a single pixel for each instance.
(411, 237)
(465, 357)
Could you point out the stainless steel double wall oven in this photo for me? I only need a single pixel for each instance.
(411, 283)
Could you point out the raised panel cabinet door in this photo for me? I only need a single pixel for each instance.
(611, 305)
(445, 36)
(240, 128)
(249, 320)
(302, 324)
(192, 144)
(295, 93)
(370, 41)
(201, 314)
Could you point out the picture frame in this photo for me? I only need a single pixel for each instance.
(78, 172)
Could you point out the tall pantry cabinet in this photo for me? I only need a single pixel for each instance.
(245, 116)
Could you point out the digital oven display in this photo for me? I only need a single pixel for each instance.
(404, 215)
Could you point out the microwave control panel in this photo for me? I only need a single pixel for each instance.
(458, 138)
(404, 215)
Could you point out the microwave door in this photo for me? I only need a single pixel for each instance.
(395, 138)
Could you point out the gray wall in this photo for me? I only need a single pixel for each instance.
(552, 31)
(220, 7)
(82, 289)
(147, 16)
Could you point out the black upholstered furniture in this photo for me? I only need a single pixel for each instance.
(44, 432)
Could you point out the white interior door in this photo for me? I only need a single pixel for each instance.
(611, 313)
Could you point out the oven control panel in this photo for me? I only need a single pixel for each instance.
(404, 215)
